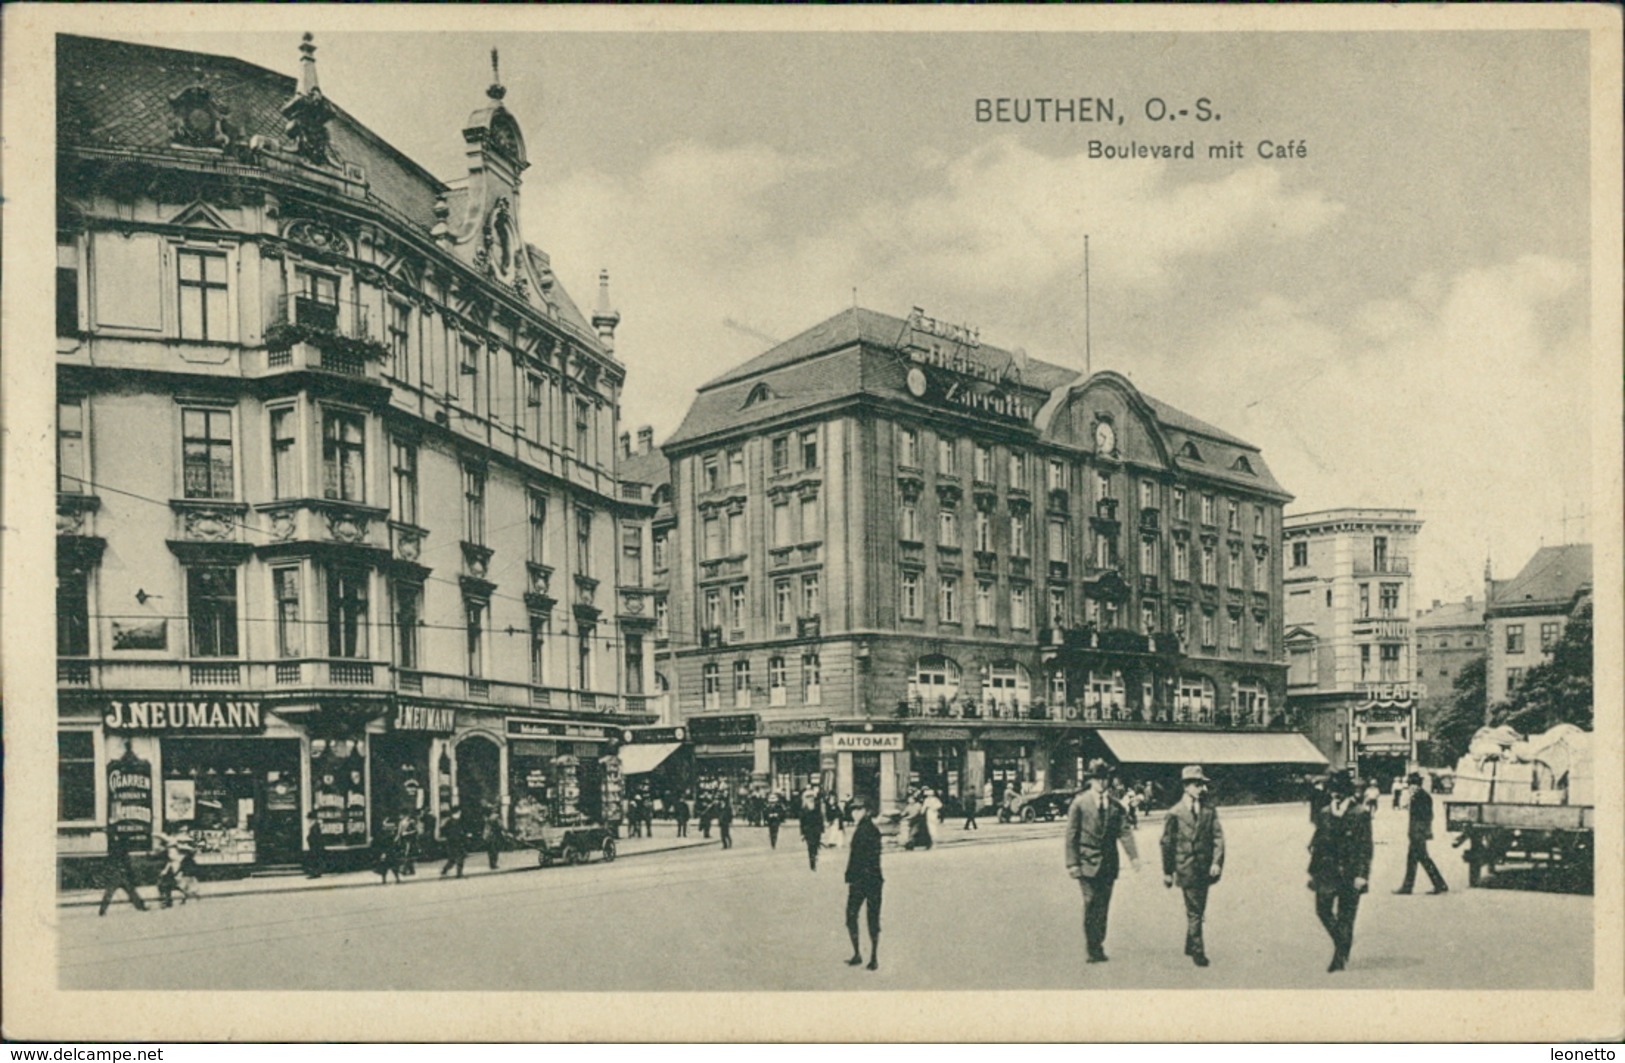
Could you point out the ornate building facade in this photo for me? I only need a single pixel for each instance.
(900, 556)
(341, 535)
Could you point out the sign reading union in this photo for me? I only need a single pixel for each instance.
(241, 716)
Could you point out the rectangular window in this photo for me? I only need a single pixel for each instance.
(1182, 622)
(72, 612)
(1182, 559)
(1389, 655)
(1379, 553)
(285, 453)
(473, 637)
(710, 473)
(1148, 495)
(536, 506)
(67, 288)
(811, 679)
(908, 521)
(1233, 627)
(344, 455)
(1057, 608)
(1365, 600)
(1148, 557)
(1365, 663)
(1021, 608)
(1233, 517)
(809, 449)
(1258, 520)
(781, 524)
(1210, 566)
(584, 542)
(408, 618)
(317, 300)
(1057, 540)
(400, 334)
(1179, 503)
(948, 528)
(585, 634)
(1208, 629)
(1514, 638)
(632, 556)
(736, 532)
(1148, 618)
(1018, 535)
(533, 405)
(211, 609)
(290, 640)
(711, 686)
(1388, 598)
(781, 602)
(1513, 676)
(713, 608)
(948, 599)
(984, 463)
(713, 537)
(809, 595)
(1057, 475)
(347, 612)
(660, 552)
(911, 596)
(1105, 550)
(736, 607)
(810, 529)
(75, 776)
(947, 463)
(583, 430)
(538, 649)
(1103, 484)
(1300, 554)
(778, 678)
(781, 454)
(71, 471)
(474, 505)
(736, 467)
(662, 617)
(984, 602)
(1233, 571)
(908, 448)
(203, 295)
(1207, 509)
(741, 684)
(206, 453)
(984, 531)
(1548, 636)
(634, 664)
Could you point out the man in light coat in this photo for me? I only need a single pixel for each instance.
(1193, 855)
(1095, 826)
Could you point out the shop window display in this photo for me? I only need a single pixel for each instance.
(236, 799)
(338, 790)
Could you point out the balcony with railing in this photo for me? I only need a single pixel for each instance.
(1094, 707)
(1111, 640)
(1383, 566)
(333, 336)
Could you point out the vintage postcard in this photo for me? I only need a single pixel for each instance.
(849, 524)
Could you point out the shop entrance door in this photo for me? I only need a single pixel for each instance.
(866, 777)
(478, 774)
(277, 835)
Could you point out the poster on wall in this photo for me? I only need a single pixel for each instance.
(129, 804)
(180, 801)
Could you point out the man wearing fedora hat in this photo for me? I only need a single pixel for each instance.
(1420, 829)
(1095, 825)
(1340, 864)
(1193, 855)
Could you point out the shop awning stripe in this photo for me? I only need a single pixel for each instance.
(1211, 747)
(636, 759)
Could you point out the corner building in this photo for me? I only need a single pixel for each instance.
(340, 532)
(900, 556)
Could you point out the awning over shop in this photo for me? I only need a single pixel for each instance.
(1212, 747)
(637, 759)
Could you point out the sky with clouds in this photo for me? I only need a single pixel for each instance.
(1399, 318)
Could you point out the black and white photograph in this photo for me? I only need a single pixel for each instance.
(840, 524)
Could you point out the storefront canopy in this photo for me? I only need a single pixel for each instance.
(1212, 747)
(637, 759)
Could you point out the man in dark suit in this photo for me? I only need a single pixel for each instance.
(863, 881)
(1340, 865)
(1420, 830)
(1193, 855)
(1095, 825)
(811, 815)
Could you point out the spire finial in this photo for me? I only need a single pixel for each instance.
(307, 64)
(496, 91)
(605, 317)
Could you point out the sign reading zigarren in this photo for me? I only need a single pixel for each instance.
(243, 717)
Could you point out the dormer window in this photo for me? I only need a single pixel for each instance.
(1189, 452)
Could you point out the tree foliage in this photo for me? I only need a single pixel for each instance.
(1454, 728)
(1559, 690)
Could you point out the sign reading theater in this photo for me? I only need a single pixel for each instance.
(240, 717)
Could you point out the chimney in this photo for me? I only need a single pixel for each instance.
(604, 316)
(626, 444)
(1436, 602)
(646, 439)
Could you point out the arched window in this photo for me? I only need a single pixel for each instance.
(1194, 699)
(934, 684)
(1006, 686)
(1250, 703)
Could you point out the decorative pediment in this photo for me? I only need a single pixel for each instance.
(201, 215)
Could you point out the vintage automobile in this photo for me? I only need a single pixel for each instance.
(1045, 805)
(573, 845)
